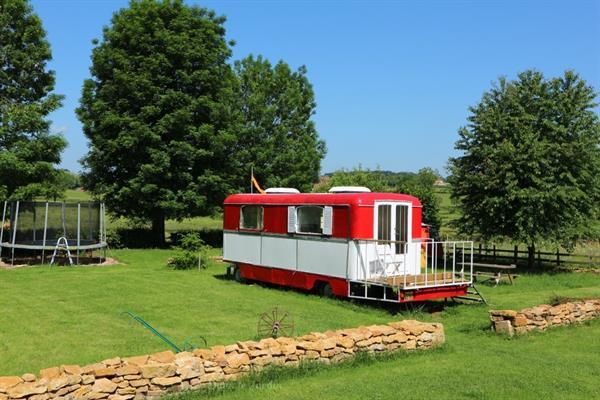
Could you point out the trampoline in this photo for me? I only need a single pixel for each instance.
(32, 229)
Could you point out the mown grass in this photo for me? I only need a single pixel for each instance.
(185, 224)
(52, 316)
(448, 212)
(77, 195)
(57, 315)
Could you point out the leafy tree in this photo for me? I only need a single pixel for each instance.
(277, 136)
(420, 185)
(157, 112)
(530, 168)
(28, 152)
(374, 180)
(427, 176)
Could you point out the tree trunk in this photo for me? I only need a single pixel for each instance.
(158, 228)
(531, 256)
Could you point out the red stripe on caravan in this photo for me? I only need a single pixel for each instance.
(433, 293)
(296, 279)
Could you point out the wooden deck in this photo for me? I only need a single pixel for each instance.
(419, 280)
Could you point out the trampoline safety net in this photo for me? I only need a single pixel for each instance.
(31, 225)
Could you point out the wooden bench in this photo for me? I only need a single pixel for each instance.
(495, 271)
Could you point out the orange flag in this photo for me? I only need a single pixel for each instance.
(256, 185)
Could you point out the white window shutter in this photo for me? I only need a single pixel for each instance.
(291, 219)
(327, 220)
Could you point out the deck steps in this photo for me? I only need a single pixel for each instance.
(473, 294)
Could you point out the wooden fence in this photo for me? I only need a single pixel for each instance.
(490, 253)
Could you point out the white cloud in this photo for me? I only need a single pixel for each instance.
(59, 130)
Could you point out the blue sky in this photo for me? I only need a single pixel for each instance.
(393, 79)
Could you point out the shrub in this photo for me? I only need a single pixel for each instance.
(192, 253)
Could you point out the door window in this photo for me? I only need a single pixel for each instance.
(401, 229)
(392, 225)
(384, 222)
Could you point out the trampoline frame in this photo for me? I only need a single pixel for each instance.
(46, 244)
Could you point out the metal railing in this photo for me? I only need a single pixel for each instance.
(413, 265)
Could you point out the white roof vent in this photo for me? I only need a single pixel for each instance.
(281, 190)
(349, 189)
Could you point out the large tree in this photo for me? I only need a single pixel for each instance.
(529, 170)
(157, 113)
(28, 152)
(277, 136)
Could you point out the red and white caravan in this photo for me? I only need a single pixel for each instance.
(349, 243)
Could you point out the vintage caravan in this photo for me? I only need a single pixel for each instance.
(348, 243)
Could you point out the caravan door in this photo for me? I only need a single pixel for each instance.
(393, 236)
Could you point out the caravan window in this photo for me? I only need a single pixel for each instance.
(309, 219)
(251, 217)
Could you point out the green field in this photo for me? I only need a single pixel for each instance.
(62, 315)
(170, 225)
(448, 212)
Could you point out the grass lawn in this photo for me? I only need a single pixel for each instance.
(448, 211)
(170, 225)
(77, 195)
(52, 316)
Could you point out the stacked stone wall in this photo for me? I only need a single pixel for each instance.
(151, 376)
(510, 322)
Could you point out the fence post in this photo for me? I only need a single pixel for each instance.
(494, 254)
(539, 259)
(516, 255)
(558, 256)
(479, 251)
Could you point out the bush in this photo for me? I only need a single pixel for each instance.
(192, 253)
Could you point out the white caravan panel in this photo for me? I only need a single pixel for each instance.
(241, 248)
(279, 252)
(323, 257)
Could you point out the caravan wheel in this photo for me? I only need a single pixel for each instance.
(325, 290)
(237, 274)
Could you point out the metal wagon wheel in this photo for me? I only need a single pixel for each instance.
(275, 323)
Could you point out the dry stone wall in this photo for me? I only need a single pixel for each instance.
(151, 376)
(509, 322)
